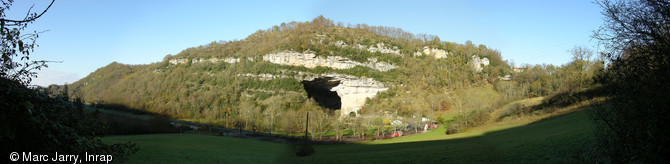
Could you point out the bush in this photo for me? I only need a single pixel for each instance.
(452, 129)
(512, 110)
(568, 98)
(369, 136)
(633, 125)
(304, 149)
(35, 122)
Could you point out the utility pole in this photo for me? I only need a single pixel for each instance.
(306, 125)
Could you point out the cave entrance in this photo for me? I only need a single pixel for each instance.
(319, 89)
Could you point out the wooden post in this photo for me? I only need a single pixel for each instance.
(306, 125)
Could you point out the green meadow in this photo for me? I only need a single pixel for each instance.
(559, 137)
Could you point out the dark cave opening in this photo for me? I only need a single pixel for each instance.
(319, 89)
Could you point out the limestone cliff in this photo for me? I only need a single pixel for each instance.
(479, 63)
(352, 90)
(310, 60)
(178, 61)
(380, 47)
(200, 60)
(434, 52)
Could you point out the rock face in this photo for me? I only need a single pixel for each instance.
(264, 76)
(231, 60)
(479, 63)
(178, 61)
(353, 91)
(200, 60)
(437, 53)
(381, 47)
(310, 60)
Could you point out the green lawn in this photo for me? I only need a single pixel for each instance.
(552, 140)
(195, 148)
(120, 113)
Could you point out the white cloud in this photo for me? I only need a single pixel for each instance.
(47, 77)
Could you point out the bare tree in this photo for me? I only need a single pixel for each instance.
(632, 125)
(630, 23)
(16, 47)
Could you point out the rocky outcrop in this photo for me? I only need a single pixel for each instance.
(437, 53)
(380, 47)
(352, 90)
(505, 78)
(310, 60)
(200, 60)
(231, 60)
(263, 76)
(178, 61)
(340, 43)
(479, 63)
(383, 49)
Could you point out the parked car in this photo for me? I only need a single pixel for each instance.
(396, 134)
(430, 128)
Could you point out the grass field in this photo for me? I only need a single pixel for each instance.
(195, 148)
(550, 140)
(120, 113)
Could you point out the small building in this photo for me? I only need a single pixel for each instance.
(518, 70)
(424, 119)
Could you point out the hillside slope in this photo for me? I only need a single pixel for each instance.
(273, 76)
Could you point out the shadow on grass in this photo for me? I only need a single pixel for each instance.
(122, 120)
(557, 139)
(568, 98)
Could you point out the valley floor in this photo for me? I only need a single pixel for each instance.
(557, 137)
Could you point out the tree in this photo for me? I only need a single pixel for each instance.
(581, 61)
(338, 126)
(633, 23)
(32, 121)
(320, 122)
(632, 125)
(580, 53)
(16, 47)
(271, 112)
(248, 114)
(356, 126)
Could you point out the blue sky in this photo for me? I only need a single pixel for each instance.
(89, 34)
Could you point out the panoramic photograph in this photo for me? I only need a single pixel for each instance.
(444, 81)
